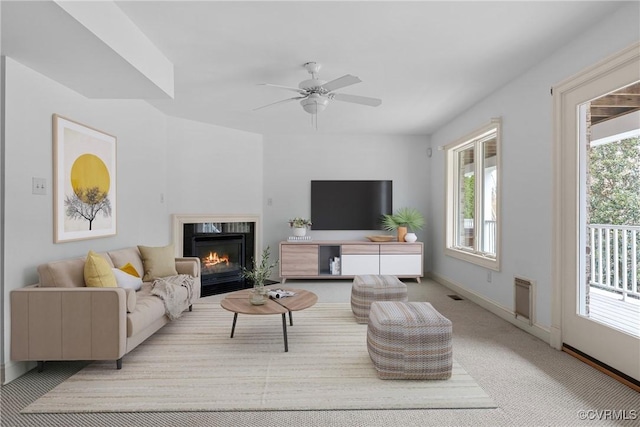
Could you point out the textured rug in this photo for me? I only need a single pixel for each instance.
(192, 365)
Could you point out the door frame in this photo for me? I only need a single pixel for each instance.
(566, 203)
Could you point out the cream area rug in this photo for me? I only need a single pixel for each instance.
(193, 365)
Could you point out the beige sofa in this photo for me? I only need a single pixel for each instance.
(61, 319)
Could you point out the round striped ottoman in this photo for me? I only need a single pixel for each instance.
(369, 288)
(409, 340)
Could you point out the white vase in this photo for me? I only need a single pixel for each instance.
(410, 237)
(300, 231)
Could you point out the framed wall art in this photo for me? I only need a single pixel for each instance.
(84, 181)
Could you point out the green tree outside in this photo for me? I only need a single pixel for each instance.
(614, 187)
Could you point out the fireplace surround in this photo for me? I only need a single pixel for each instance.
(224, 244)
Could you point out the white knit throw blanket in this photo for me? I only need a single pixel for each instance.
(167, 289)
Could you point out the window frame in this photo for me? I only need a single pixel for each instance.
(476, 140)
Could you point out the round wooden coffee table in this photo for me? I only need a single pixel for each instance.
(238, 303)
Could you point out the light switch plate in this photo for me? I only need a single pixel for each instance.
(39, 186)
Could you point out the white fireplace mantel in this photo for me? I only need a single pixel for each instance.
(179, 220)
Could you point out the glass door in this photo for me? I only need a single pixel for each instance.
(599, 208)
(610, 209)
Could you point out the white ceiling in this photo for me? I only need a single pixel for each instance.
(428, 61)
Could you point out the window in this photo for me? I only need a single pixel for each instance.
(473, 197)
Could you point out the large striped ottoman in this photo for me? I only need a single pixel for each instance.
(369, 288)
(409, 340)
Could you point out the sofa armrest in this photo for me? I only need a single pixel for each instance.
(188, 265)
(191, 266)
(68, 323)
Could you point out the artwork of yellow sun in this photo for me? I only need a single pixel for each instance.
(89, 171)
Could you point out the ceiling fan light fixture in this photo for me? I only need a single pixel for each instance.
(314, 103)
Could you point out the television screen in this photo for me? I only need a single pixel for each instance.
(349, 205)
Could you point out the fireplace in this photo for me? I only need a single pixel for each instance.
(224, 249)
(222, 257)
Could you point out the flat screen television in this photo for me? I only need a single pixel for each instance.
(350, 205)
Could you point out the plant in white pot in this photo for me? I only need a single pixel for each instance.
(403, 220)
(299, 226)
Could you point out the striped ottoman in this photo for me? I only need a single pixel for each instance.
(409, 340)
(369, 288)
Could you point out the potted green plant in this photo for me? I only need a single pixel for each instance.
(299, 226)
(402, 220)
(258, 276)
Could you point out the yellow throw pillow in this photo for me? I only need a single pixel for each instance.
(158, 262)
(97, 272)
(129, 269)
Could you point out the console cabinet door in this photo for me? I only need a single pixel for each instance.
(401, 265)
(298, 260)
(353, 265)
(401, 260)
(360, 259)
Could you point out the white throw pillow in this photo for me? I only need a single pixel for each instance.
(126, 280)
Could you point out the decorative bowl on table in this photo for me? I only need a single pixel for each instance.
(381, 238)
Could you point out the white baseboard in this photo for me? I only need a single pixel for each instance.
(13, 370)
(495, 308)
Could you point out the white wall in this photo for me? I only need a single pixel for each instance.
(213, 170)
(31, 99)
(525, 106)
(164, 166)
(292, 161)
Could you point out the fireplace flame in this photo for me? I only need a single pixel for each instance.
(214, 259)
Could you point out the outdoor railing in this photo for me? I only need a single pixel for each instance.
(489, 235)
(615, 258)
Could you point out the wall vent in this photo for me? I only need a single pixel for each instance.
(524, 298)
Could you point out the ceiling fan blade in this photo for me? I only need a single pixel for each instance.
(364, 100)
(294, 89)
(280, 102)
(340, 82)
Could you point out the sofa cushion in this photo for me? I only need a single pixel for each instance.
(158, 262)
(98, 273)
(126, 280)
(68, 273)
(122, 257)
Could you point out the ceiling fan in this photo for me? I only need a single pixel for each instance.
(315, 93)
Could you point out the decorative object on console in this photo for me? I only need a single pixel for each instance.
(381, 238)
(299, 226)
(334, 266)
(402, 220)
(410, 237)
(299, 238)
(258, 276)
(84, 181)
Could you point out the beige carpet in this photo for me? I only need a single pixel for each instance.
(193, 365)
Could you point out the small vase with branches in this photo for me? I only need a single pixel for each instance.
(258, 276)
